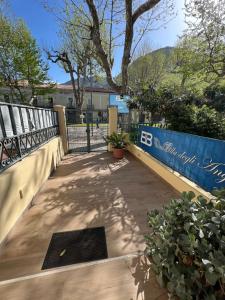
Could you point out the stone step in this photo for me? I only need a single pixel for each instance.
(121, 278)
(64, 268)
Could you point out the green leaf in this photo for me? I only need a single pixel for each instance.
(201, 234)
(188, 248)
(216, 220)
(212, 277)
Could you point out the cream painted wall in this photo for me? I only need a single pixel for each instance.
(20, 183)
(61, 97)
(99, 100)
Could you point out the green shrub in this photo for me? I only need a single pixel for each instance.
(204, 121)
(181, 117)
(117, 140)
(209, 123)
(215, 96)
(187, 247)
(220, 194)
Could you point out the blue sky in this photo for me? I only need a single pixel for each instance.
(43, 26)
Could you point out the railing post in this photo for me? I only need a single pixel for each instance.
(134, 115)
(15, 130)
(113, 122)
(2, 125)
(62, 126)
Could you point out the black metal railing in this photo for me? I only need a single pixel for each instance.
(22, 130)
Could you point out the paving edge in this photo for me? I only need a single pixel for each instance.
(68, 268)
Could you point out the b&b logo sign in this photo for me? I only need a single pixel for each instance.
(198, 158)
(146, 138)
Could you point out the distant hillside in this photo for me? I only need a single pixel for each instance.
(95, 83)
(166, 50)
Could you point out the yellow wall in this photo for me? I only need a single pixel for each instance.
(100, 100)
(113, 122)
(20, 182)
(179, 182)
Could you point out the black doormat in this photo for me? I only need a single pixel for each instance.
(74, 247)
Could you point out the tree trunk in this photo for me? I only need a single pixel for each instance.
(131, 18)
(127, 45)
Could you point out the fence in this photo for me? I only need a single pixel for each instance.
(133, 129)
(198, 158)
(22, 130)
(73, 115)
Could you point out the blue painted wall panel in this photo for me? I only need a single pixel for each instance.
(200, 159)
(115, 100)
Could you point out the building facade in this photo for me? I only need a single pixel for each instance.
(94, 98)
(97, 99)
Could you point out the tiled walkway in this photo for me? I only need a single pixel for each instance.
(86, 190)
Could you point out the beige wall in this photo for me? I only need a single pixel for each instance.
(20, 182)
(113, 123)
(99, 100)
(61, 97)
(176, 180)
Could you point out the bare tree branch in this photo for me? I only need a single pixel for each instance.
(148, 5)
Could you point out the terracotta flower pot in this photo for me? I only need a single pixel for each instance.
(118, 153)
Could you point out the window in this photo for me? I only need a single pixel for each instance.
(119, 98)
(70, 102)
(50, 101)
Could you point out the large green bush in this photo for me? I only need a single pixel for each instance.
(187, 247)
(181, 117)
(204, 121)
(215, 96)
(209, 123)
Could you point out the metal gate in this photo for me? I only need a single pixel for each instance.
(87, 131)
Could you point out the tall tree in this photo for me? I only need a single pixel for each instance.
(206, 25)
(76, 54)
(131, 12)
(186, 61)
(126, 22)
(21, 67)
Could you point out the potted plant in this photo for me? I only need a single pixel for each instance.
(118, 142)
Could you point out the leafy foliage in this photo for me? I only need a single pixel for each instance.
(21, 65)
(187, 247)
(215, 96)
(149, 70)
(204, 121)
(181, 117)
(185, 111)
(209, 123)
(206, 25)
(220, 194)
(117, 140)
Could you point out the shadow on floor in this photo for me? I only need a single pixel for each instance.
(88, 190)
